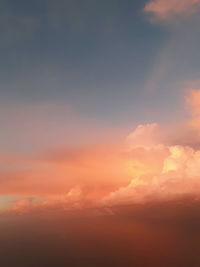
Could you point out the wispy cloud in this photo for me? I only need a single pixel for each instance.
(170, 9)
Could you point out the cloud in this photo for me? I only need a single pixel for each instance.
(96, 169)
(179, 176)
(177, 160)
(156, 162)
(193, 100)
(170, 9)
(145, 136)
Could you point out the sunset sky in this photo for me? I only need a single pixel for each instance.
(100, 133)
(99, 102)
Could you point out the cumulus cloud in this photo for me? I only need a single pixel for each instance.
(169, 9)
(179, 176)
(156, 162)
(175, 170)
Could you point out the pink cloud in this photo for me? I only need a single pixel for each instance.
(145, 136)
(193, 100)
(168, 9)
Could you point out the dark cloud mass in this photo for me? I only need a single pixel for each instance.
(153, 234)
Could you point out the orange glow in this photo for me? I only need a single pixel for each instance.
(149, 165)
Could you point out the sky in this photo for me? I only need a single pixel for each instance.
(99, 59)
(97, 98)
(102, 65)
(100, 133)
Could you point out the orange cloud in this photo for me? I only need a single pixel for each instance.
(179, 176)
(96, 170)
(178, 166)
(145, 136)
(155, 162)
(169, 9)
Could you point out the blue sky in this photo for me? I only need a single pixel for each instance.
(105, 61)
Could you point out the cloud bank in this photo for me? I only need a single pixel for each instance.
(155, 162)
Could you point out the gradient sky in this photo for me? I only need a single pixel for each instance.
(105, 62)
(100, 133)
(78, 74)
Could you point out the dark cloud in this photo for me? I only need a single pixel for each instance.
(154, 234)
